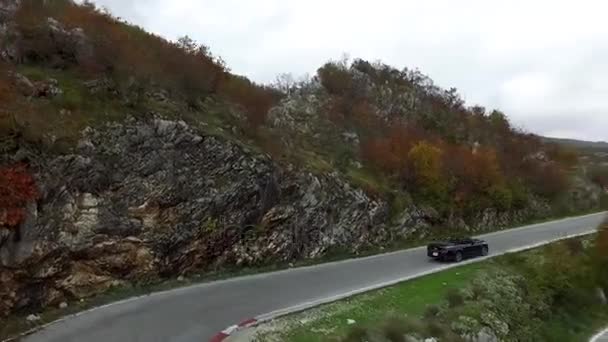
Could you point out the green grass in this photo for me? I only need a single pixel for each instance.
(368, 180)
(314, 162)
(408, 299)
(566, 327)
(65, 116)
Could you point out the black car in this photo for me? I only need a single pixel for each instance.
(457, 249)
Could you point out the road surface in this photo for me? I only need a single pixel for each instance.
(602, 337)
(197, 313)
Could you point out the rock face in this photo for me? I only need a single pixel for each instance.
(8, 51)
(72, 44)
(47, 89)
(143, 200)
(147, 199)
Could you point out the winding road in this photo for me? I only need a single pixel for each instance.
(199, 312)
(601, 337)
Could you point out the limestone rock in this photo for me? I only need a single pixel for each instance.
(32, 318)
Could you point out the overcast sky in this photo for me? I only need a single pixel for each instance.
(544, 63)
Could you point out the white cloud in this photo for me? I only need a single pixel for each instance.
(543, 62)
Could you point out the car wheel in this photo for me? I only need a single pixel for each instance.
(458, 257)
(484, 251)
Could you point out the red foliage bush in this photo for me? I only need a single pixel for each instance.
(17, 189)
(389, 153)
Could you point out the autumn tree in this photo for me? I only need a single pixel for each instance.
(599, 175)
(499, 122)
(425, 161)
(565, 156)
(256, 100)
(548, 180)
(17, 189)
(475, 178)
(389, 153)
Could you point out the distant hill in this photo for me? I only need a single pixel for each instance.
(579, 144)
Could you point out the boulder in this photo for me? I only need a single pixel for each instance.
(83, 282)
(24, 85)
(32, 318)
(48, 89)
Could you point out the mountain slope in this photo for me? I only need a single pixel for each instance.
(145, 159)
(581, 144)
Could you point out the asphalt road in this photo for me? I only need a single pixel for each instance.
(198, 312)
(603, 337)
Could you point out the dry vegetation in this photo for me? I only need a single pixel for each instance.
(416, 139)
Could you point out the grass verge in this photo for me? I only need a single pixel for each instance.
(409, 299)
(508, 292)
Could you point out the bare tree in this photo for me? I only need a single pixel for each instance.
(189, 45)
(285, 83)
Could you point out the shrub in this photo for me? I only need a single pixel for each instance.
(604, 201)
(455, 298)
(438, 330)
(519, 194)
(501, 197)
(389, 153)
(575, 246)
(121, 51)
(601, 255)
(547, 180)
(432, 311)
(356, 334)
(394, 331)
(599, 175)
(335, 78)
(255, 100)
(17, 189)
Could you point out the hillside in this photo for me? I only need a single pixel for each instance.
(127, 158)
(580, 144)
(592, 158)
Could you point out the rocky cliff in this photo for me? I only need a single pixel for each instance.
(146, 198)
(150, 199)
(141, 200)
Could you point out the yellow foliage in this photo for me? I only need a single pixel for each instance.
(425, 160)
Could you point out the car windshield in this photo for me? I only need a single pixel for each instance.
(460, 241)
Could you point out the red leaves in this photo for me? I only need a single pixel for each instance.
(12, 216)
(17, 189)
(390, 153)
